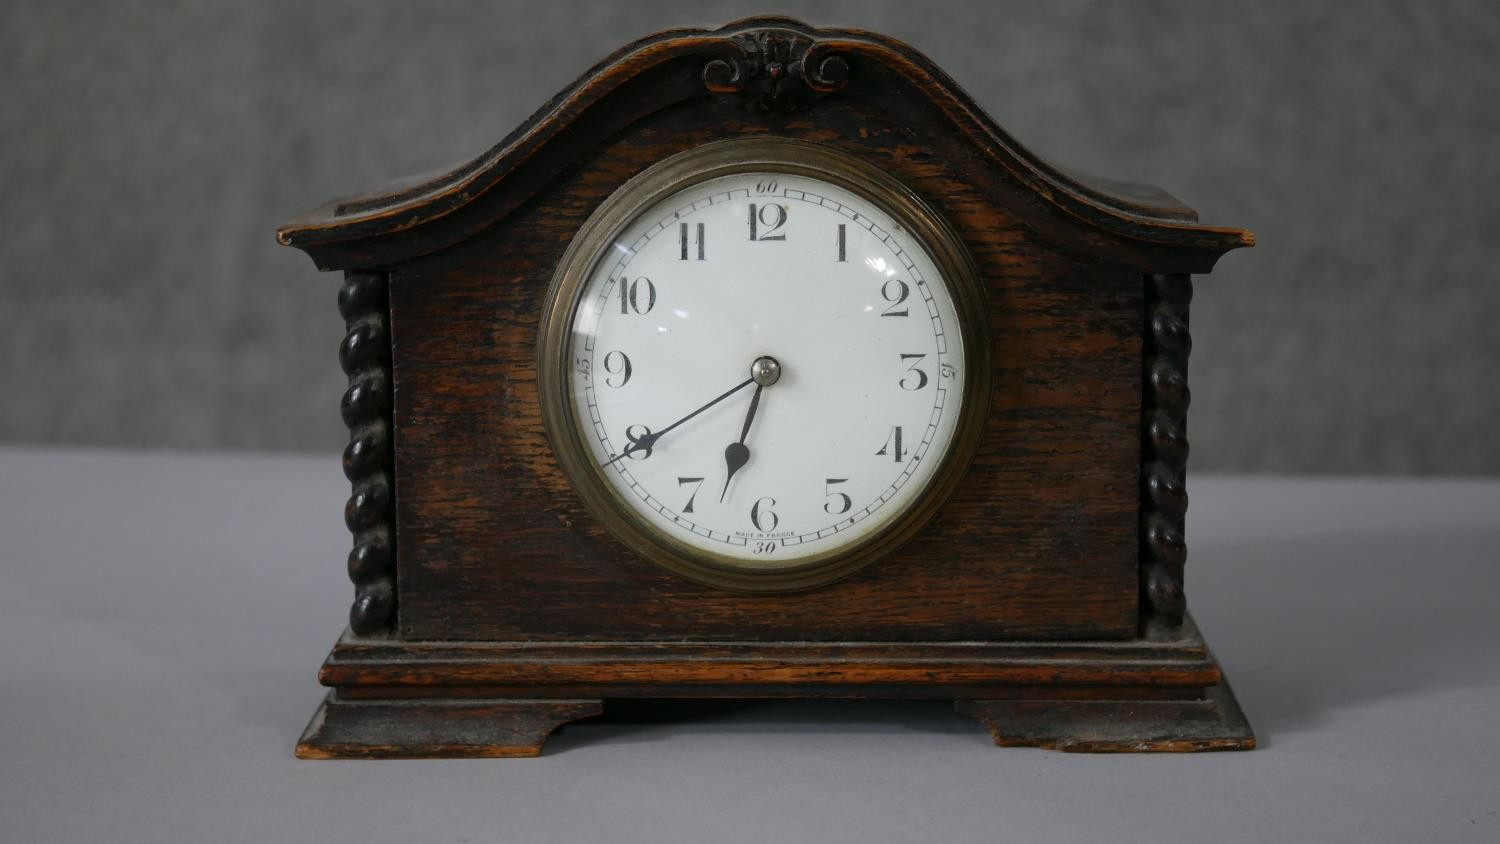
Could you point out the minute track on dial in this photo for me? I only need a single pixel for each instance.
(850, 296)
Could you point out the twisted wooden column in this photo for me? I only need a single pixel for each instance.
(366, 408)
(1164, 449)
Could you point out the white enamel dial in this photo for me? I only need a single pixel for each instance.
(839, 428)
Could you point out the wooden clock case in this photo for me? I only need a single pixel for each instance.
(1045, 598)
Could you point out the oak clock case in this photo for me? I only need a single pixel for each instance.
(564, 491)
(840, 311)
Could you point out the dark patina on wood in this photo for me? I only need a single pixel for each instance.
(365, 356)
(1164, 448)
(454, 728)
(1063, 538)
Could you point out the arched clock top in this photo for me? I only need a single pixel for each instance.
(775, 68)
(760, 362)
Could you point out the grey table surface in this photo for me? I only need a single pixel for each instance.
(162, 618)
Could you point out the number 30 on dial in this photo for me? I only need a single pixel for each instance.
(764, 364)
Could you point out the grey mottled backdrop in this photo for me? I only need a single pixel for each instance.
(149, 149)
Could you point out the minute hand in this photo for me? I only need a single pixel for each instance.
(736, 455)
(649, 440)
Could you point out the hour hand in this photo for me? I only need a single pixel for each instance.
(736, 455)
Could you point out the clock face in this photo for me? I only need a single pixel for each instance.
(766, 368)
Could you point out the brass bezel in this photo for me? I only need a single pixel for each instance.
(722, 158)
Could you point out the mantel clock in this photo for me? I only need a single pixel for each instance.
(760, 362)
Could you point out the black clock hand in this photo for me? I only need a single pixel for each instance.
(646, 442)
(736, 455)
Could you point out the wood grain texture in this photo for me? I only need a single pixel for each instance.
(1178, 666)
(1038, 541)
(397, 698)
(1125, 725)
(447, 729)
(1022, 596)
(1126, 222)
